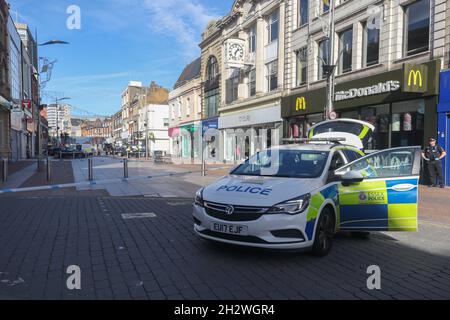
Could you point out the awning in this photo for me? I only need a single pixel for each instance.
(174, 131)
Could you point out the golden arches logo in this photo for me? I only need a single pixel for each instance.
(415, 75)
(300, 104)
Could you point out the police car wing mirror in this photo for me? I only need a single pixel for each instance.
(351, 177)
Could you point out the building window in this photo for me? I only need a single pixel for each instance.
(211, 103)
(303, 15)
(188, 106)
(371, 46)
(212, 68)
(252, 40)
(345, 50)
(232, 85)
(273, 27)
(325, 6)
(252, 83)
(417, 27)
(272, 75)
(324, 54)
(302, 66)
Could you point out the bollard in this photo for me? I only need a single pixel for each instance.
(91, 169)
(60, 156)
(5, 170)
(40, 166)
(49, 169)
(125, 168)
(203, 159)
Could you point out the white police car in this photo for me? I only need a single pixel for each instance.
(298, 196)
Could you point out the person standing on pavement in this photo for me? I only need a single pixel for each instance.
(433, 154)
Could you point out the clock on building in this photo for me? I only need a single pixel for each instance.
(235, 52)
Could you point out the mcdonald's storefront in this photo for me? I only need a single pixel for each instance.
(401, 104)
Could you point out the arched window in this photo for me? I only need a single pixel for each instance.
(212, 68)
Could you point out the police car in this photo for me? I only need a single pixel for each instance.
(297, 196)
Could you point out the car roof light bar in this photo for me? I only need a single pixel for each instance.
(305, 140)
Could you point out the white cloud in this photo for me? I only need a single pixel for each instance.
(182, 20)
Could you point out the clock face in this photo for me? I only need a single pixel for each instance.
(235, 52)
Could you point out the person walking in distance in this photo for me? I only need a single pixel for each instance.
(433, 154)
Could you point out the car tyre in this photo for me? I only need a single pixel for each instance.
(323, 240)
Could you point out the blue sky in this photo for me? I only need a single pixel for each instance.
(119, 41)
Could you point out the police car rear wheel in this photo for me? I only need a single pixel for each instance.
(323, 240)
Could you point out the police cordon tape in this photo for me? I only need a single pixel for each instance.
(102, 182)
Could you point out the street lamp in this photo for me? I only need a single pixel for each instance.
(329, 69)
(53, 42)
(57, 116)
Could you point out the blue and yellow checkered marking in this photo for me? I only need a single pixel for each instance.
(374, 205)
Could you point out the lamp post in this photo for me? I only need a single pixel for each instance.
(51, 42)
(329, 68)
(57, 116)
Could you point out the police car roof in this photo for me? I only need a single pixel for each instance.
(308, 146)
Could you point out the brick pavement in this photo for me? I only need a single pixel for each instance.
(14, 167)
(61, 173)
(161, 258)
(434, 204)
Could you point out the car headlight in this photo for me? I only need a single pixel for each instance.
(293, 206)
(199, 198)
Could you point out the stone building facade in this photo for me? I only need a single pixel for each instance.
(5, 89)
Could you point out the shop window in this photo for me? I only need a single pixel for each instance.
(371, 46)
(296, 128)
(269, 138)
(345, 50)
(417, 27)
(378, 116)
(313, 119)
(302, 66)
(408, 123)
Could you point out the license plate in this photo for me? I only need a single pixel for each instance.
(229, 229)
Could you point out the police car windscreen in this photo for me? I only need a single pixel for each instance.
(284, 163)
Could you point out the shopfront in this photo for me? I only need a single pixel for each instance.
(444, 121)
(245, 133)
(175, 141)
(189, 133)
(401, 104)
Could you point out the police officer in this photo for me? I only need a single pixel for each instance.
(433, 154)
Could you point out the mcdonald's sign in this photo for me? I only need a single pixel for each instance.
(415, 78)
(300, 104)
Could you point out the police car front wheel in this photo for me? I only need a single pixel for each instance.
(323, 239)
